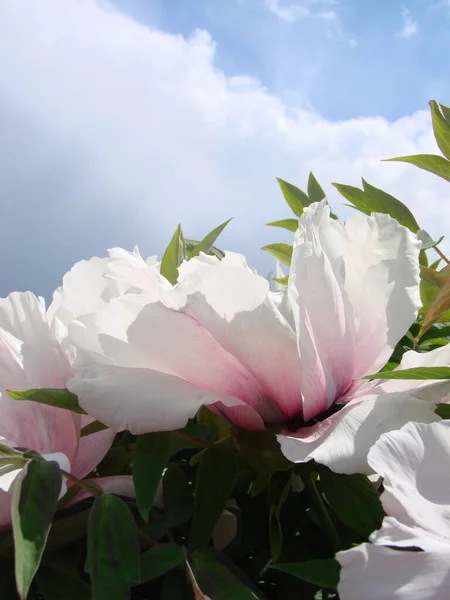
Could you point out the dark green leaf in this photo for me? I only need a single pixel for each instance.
(218, 426)
(150, 457)
(315, 192)
(289, 224)
(175, 587)
(93, 427)
(281, 251)
(216, 476)
(435, 333)
(213, 251)
(417, 373)
(440, 116)
(68, 528)
(51, 397)
(219, 578)
(113, 559)
(34, 498)
(296, 199)
(354, 500)
(178, 497)
(55, 583)
(159, 560)
(173, 256)
(323, 572)
(428, 162)
(443, 410)
(372, 199)
(207, 242)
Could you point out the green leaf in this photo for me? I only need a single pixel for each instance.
(216, 476)
(435, 333)
(178, 497)
(315, 192)
(159, 560)
(323, 572)
(217, 425)
(219, 579)
(190, 245)
(207, 242)
(113, 559)
(417, 373)
(289, 224)
(427, 240)
(354, 501)
(296, 199)
(68, 528)
(50, 397)
(443, 410)
(372, 199)
(34, 498)
(438, 165)
(93, 427)
(281, 251)
(175, 587)
(440, 116)
(57, 583)
(152, 451)
(173, 256)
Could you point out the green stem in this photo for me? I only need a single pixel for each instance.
(322, 512)
(193, 439)
(94, 491)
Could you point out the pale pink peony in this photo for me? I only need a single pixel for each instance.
(152, 355)
(31, 357)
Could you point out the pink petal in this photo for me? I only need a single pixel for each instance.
(121, 485)
(91, 449)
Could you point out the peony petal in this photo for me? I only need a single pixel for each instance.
(415, 493)
(375, 573)
(355, 291)
(31, 358)
(342, 441)
(232, 302)
(140, 400)
(85, 290)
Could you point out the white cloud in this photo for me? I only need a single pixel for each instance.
(113, 132)
(409, 26)
(294, 12)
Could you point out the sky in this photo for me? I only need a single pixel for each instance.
(120, 119)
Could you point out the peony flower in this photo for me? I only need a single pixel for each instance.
(149, 358)
(31, 357)
(417, 499)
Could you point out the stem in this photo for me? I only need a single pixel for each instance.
(13, 460)
(322, 512)
(81, 484)
(441, 254)
(193, 439)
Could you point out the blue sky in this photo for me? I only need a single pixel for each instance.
(347, 58)
(120, 120)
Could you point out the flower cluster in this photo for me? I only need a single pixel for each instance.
(213, 432)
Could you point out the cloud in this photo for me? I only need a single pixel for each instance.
(113, 132)
(409, 27)
(293, 12)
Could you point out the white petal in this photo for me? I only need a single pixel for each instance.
(415, 492)
(342, 441)
(64, 464)
(376, 573)
(233, 304)
(8, 475)
(355, 291)
(141, 400)
(85, 290)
